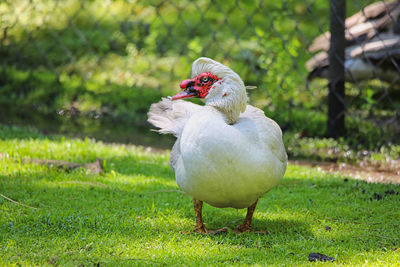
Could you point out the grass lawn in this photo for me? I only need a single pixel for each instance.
(132, 213)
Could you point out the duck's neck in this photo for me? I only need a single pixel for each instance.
(230, 116)
(229, 97)
(230, 107)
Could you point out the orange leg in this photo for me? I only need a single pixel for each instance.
(246, 225)
(198, 207)
(200, 228)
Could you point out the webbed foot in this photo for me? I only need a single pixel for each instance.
(246, 228)
(205, 231)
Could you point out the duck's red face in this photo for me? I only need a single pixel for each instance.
(197, 87)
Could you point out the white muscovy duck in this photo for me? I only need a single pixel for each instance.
(227, 153)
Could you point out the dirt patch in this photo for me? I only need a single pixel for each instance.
(374, 173)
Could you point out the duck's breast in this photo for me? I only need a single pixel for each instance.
(225, 165)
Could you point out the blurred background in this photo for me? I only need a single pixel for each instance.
(92, 68)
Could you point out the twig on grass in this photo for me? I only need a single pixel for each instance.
(16, 202)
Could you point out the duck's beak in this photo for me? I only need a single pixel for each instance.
(184, 94)
(189, 90)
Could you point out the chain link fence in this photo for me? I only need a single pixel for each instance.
(112, 59)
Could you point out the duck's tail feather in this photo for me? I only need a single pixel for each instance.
(170, 116)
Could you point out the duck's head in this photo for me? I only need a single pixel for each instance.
(217, 85)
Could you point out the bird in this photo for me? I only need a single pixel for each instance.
(227, 153)
(372, 46)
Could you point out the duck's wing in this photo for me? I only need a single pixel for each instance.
(170, 116)
(269, 132)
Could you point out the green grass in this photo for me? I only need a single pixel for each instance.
(132, 213)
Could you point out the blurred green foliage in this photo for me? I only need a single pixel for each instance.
(114, 58)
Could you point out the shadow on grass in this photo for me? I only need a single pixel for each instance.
(72, 202)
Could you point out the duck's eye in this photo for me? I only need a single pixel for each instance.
(204, 79)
